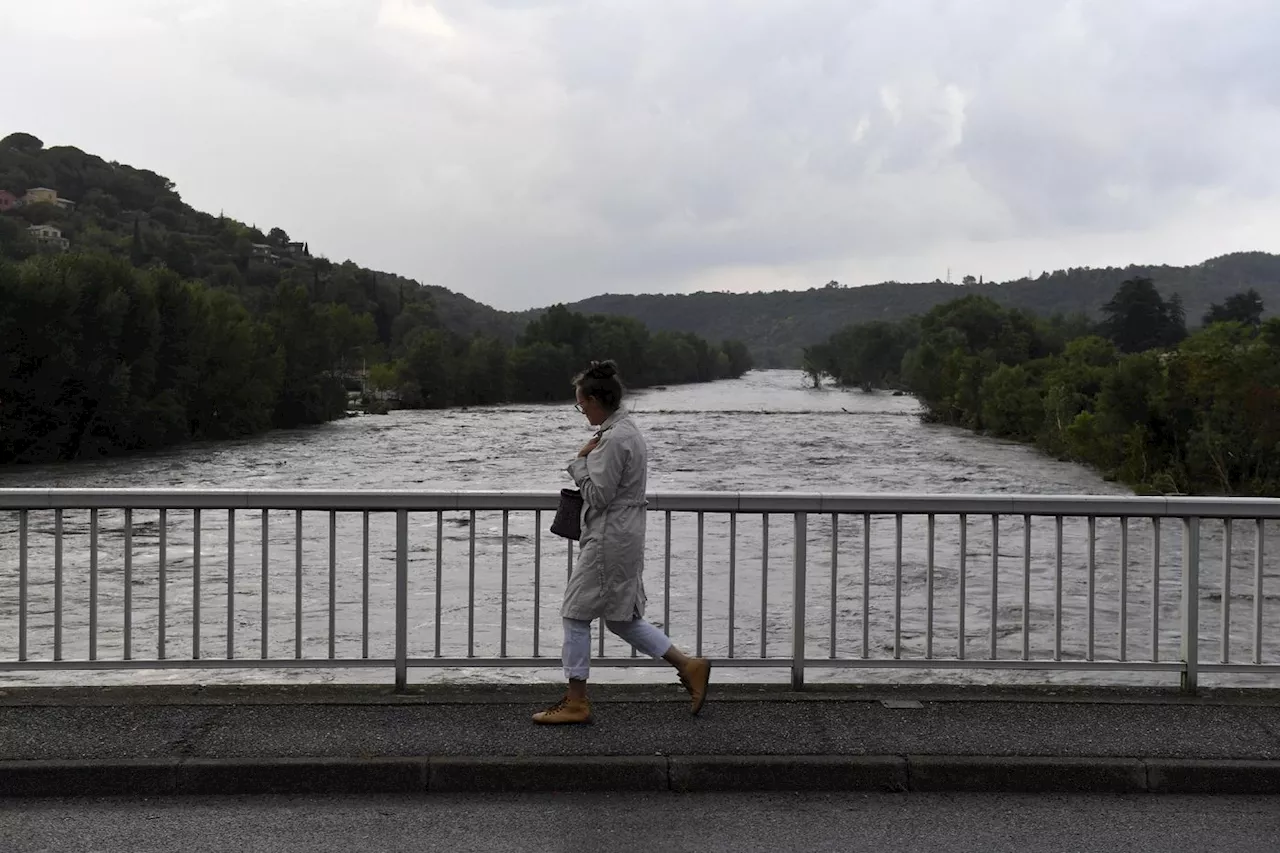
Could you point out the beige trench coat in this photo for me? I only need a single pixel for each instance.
(608, 579)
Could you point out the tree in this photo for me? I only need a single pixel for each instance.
(868, 355)
(177, 255)
(22, 142)
(740, 360)
(309, 392)
(540, 371)
(1131, 426)
(1243, 308)
(239, 371)
(1176, 316)
(16, 243)
(137, 255)
(242, 253)
(484, 372)
(343, 336)
(961, 343)
(816, 363)
(385, 376)
(1012, 405)
(419, 314)
(100, 358)
(431, 366)
(1138, 319)
(558, 326)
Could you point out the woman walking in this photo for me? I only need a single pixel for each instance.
(611, 471)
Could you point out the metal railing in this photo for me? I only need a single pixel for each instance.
(97, 579)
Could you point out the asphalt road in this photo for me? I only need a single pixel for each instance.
(940, 823)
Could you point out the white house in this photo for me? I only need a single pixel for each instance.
(49, 235)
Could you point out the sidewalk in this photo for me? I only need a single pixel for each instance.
(163, 740)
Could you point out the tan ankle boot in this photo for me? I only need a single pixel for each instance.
(565, 712)
(695, 677)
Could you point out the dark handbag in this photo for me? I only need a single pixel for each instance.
(568, 520)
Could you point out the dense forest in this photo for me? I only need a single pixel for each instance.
(156, 324)
(1134, 395)
(777, 326)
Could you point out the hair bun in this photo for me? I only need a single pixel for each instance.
(603, 369)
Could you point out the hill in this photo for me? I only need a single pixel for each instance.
(776, 326)
(105, 206)
(129, 320)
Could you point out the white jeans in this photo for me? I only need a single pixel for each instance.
(644, 637)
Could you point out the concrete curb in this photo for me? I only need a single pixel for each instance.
(1035, 775)
(457, 693)
(497, 774)
(1190, 776)
(679, 773)
(689, 773)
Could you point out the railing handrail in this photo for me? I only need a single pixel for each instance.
(989, 510)
(388, 500)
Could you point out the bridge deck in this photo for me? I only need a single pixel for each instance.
(75, 729)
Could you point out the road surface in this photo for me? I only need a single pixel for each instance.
(814, 823)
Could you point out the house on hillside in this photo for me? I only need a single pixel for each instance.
(64, 203)
(40, 195)
(49, 235)
(8, 201)
(265, 252)
(297, 250)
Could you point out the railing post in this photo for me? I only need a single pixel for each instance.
(402, 600)
(797, 606)
(1190, 603)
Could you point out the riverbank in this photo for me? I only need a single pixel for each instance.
(170, 360)
(1141, 399)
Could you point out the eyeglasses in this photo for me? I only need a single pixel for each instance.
(577, 407)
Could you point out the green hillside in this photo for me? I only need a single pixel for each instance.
(136, 214)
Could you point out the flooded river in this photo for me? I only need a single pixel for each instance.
(764, 432)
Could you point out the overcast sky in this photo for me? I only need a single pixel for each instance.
(531, 151)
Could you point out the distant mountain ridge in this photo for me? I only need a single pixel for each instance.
(777, 325)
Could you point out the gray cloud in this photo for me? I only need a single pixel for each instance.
(525, 151)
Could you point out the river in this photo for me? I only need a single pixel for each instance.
(764, 432)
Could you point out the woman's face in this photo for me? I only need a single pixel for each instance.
(592, 408)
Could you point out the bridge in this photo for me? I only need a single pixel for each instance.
(822, 612)
(783, 582)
